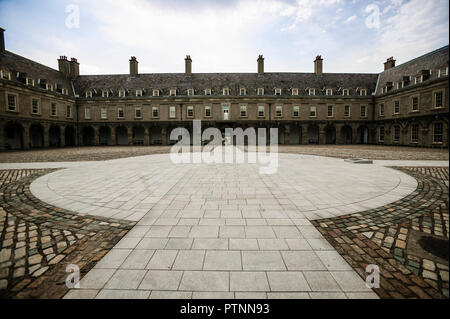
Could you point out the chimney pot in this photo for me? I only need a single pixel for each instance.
(188, 65)
(260, 64)
(133, 66)
(390, 63)
(318, 65)
(74, 68)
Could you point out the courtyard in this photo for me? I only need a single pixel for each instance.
(137, 225)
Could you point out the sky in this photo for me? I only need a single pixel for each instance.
(352, 36)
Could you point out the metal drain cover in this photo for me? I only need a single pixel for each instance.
(435, 246)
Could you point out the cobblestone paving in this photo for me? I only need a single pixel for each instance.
(38, 241)
(387, 236)
(98, 153)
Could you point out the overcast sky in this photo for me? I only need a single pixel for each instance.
(224, 36)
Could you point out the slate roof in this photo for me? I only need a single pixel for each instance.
(15, 63)
(430, 61)
(234, 81)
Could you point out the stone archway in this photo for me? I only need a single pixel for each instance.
(13, 133)
(295, 136)
(138, 135)
(36, 136)
(88, 136)
(54, 137)
(155, 135)
(363, 135)
(346, 134)
(121, 135)
(312, 134)
(104, 135)
(330, 134)
(69, 135)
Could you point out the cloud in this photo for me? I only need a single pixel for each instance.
(350, 19)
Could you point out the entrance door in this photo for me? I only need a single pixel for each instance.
(226, 112)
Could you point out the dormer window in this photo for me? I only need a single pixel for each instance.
(173, 92)
(105, 93)
(443, 72)
(312, 91)
(242, 91)
(329, 92)
(207, 91)
(138, 92)
(190, 92)
(418, 79)
(295, 91)
(6, 75)
(121, 93)
(49, 87)
(363, 92)
(277, 91)
(226, 91)
(260, 91)
(155, 92)
(64, 91)
(89, 94)
(345, 92)
(29, 81)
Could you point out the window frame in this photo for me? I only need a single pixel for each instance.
(345, 90)
(139, 93)
(263, 108)
(294, 91)
(381, 110)
(155, 108)
(441, 134)
(55, 109)
(227, 90)
(412, 103)
(3, 75)
(365, 111)
(442, 92)
(190, 108)
(107, 93)
(260, 91)
(122, 93)
(277, 91)
(172, 92)
(190, 92)
(396, 106)
(88, 94)
(172, 115)
(120, 110)
(312, 90)
(208, 108)
(363, 91)
(412, 133)
(87, 113)
(311, 108)
(136, 110)
(381, 129)
(298, 111)
(328, 111)
(243, 111)
(155, 91)
(349, 110)
(27, 81)
(394, 136)
(38, 106)
(446, 72)
(242, 91)
(208, 92)
(103, 108)
(329, 91)
(69, 114)
(16, 102)
(278, 110)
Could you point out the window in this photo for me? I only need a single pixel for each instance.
(381, 109)
(12, 102)
(120, 113)
(207, 91)
(279, 111)
(296, 111)
(295, 91)
(381, 134)
(105, 93)
(396, 107)
(363, 92)
(155, 112)
(138, 92)
(345, 92)
(260, 91)
(329, 92)
(396, 133)
(312, 91)
(121, 93)
(277, 91)
(172, 112)
(190, 111)
(260, 111)
(68, 111)
(207, 111)
(49, 87)
(438, 132)
(443, 72)
(104, 113)
(6, 75)
(363, 111)
(243, 111)
(414, 133)
(155, 92)
(87, 113)
(438, 99)
(30, 81)
(415, 104)
(173, 92)
(313, 111)
(65, 91)
(418, 79)
(399, 85)
(89, 94)
(138, 112)
(190, 92)
(347, 111)
(53, 109)
(35, 106)
(226, 91)
(384, 89)
(330, 111)
(242, 91)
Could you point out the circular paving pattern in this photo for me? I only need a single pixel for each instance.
(310, 187)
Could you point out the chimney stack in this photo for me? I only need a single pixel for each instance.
(74, 68)
(64, 65)
(260, 65)
(133, 66)
(318, 65)
(390, 63)
(2, 39)
(188, 65)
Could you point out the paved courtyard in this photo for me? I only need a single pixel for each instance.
(221, 230)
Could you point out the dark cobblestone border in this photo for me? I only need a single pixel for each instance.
(38, 240)
(380, 236)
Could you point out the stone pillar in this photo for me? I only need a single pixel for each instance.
(339, 137)
(321, 134)
(46, 135)
(26, 136)
(2, 136)
(130, 135)
(287, 131)
(355, 138)
(404, 138)
(96, 135)
(304, 130)
(62, 135)
(146, 136)
(164, 136)
(113, 140)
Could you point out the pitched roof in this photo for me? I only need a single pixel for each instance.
(233, 81)
(430, 61)
(16, 63)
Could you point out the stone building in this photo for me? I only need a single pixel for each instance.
(43, 107)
